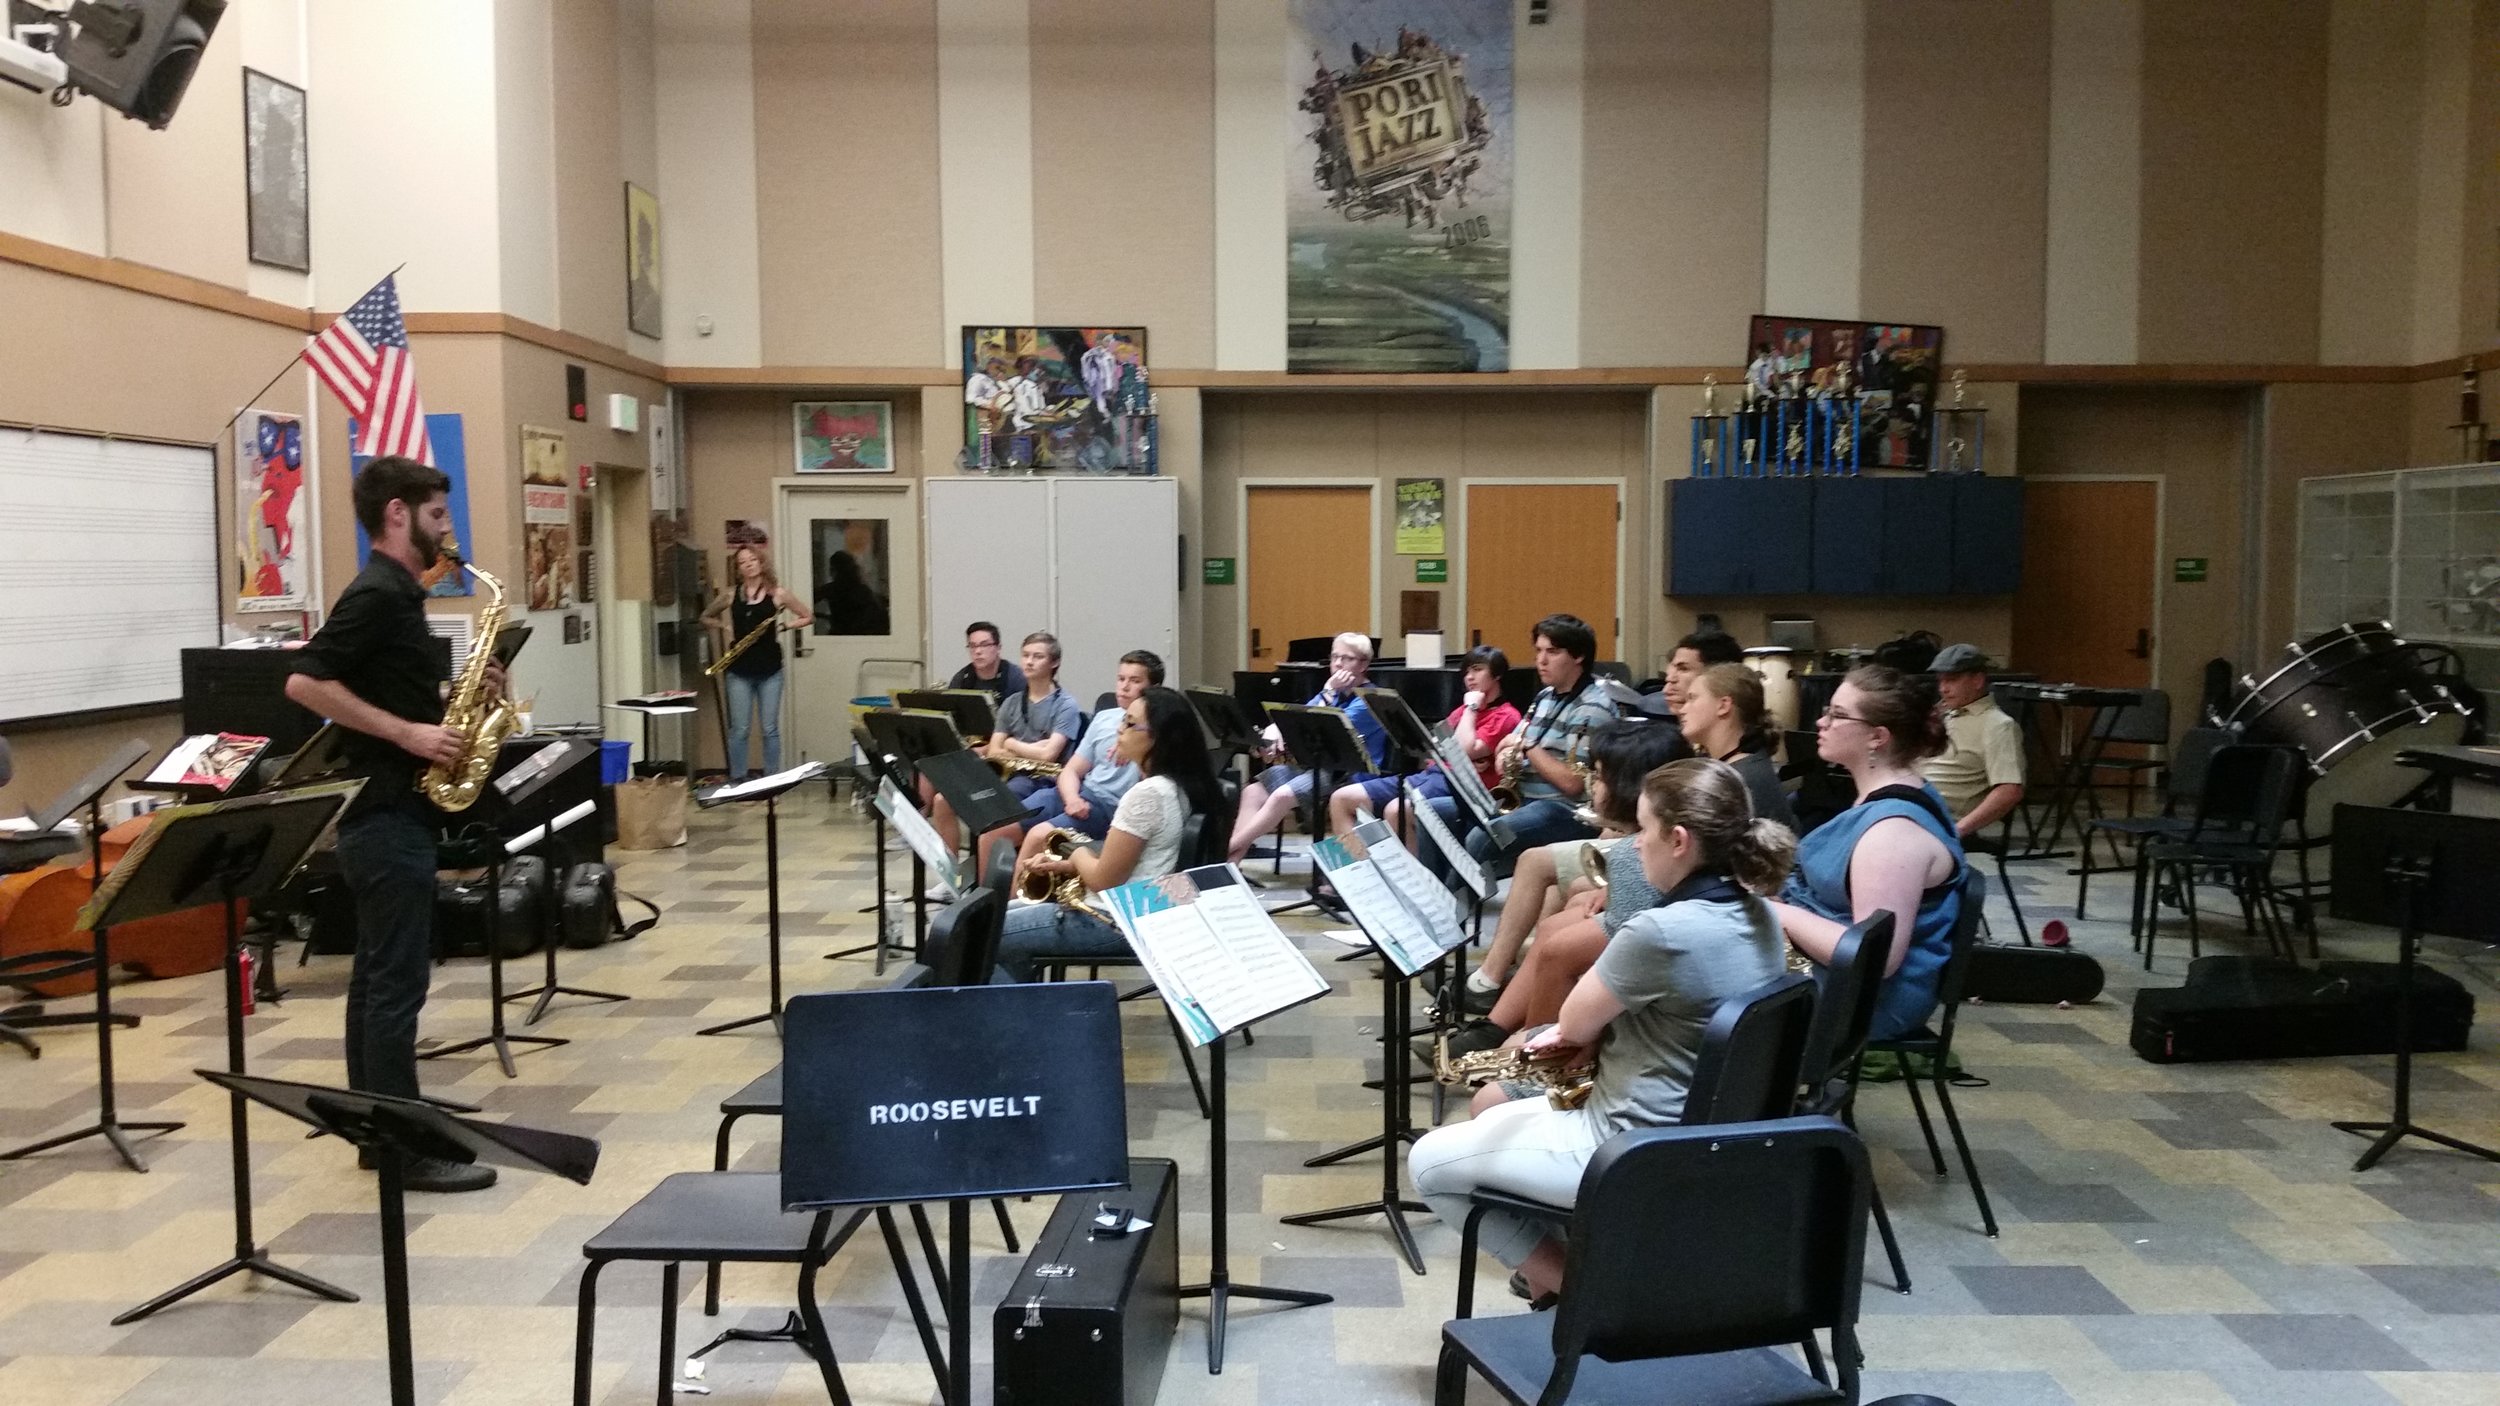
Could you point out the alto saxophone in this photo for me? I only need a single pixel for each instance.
(1025, 766)
(483, 726)
(1563, 1073)
(1067, 890)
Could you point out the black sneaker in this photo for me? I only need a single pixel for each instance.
(1468, 1039)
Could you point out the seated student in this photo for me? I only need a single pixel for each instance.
(1724, 716)
(1038, 724)
(1570, 938)
(1479, 723)
(1980, 771)
(1267, 801)
(1894, 849)
(987, 672)
(1547, 750)
(1642, 1010)
(1159, 736)
(1093, 781)
(1702, 649)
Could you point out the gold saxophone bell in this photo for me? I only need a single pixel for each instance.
(1067, 890)
(1593, 864)
(1567, 1080)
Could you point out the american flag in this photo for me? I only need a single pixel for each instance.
(363, 358)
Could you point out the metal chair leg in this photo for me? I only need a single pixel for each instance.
(1926, 1129)
(1961, 1144)
(585, 1324)
(1892, 1243)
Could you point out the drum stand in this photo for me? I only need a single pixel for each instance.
(2408, 875)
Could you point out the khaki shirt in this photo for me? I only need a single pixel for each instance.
(1983, 750)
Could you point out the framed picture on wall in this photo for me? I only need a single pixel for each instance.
(1072, 398)
(1891, 367)
(843, 436)
(276, 172)
(642, 260)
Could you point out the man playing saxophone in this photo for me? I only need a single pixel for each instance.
(1038, 725)
(376, 671)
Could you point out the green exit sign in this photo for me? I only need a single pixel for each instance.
(2187, 568)
(1431, 569)
(1218, 571)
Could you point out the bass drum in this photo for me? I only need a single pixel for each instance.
(1777, 665)
(2350, 700)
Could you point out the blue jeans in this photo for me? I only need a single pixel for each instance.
(1045, 809)
(1035, 930)
(1536, 823)
(761, 697)
(387, 856)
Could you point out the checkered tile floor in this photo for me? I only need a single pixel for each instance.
(2183, 1234)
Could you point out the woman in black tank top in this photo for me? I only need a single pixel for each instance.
(751, 685)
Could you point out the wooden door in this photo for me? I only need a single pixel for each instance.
(1309, 562)
(2085, 611)
(1536, 549)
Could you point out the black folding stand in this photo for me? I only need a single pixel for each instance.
(398, 1131)
(484, 847)
(225, 853)
(1220, 1287)
(1321, 741)
(2433, 874)
(88, 793)
(520, 797)
(1396, 1116)
(772, 889)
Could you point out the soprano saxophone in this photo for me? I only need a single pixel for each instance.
(482, 726)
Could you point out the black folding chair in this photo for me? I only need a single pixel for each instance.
(1769, 1218)
(1836, 1046)
(1747, 1071)
(1934, 1044)
(2237, 833)
(2184, 780)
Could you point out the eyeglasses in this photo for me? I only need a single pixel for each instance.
(1834, 715)
(1129, 724)
(1346, 658)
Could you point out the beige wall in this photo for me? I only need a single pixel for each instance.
(2312, 432)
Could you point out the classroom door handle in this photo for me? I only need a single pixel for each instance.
(1475, 637)
(1255, 651)
(2143, 645)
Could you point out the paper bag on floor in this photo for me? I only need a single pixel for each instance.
(651, 813)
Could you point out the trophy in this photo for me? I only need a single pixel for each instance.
(1962, 430)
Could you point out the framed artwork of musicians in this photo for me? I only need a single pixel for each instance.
(1071, 398)
(1892, 368)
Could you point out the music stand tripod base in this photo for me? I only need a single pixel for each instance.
(496, 1037)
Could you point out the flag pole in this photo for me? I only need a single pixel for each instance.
(290, 365)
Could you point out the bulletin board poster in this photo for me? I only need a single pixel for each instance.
(269, 512)
(1422, 508)
(547, 534)
(451, 455)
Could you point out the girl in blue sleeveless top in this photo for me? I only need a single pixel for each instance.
(1890, 853)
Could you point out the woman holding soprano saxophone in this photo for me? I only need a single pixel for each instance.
(751, 684)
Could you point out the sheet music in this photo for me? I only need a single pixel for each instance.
(1464, 783)
(1453, 851)
(909, 823)
(755, 785)
(1214, 954)
(1426, 897)
(1395, 929)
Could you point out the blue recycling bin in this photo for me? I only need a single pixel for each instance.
(616, 763)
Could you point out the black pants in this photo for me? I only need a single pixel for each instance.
(387, 854)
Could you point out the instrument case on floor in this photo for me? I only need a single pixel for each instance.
(2268, 1008)
(2041, 976)
(460, 911)
(1089, 1320)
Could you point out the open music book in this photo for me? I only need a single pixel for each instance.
(1218, 959)
(917, 833)
(1453, 850)
(759, 785)
(1410, 917)
(211, 761)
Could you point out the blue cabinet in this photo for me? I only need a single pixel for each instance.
(1987, 536)
(1853, 536)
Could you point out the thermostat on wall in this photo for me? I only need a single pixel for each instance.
(624, 413)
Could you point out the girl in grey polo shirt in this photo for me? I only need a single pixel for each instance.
(1643, 1008)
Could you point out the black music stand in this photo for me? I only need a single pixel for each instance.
(398, 1131)
(88, 793)
(1396, 1079)
(491, 835)
(2417, 872)
(974, 711)
(224, 853)
(884, 767)
(904, 738)
(1321, 741)
(1228, 725)
(856, 1057)
(522, 789)
(2073, 782)
(1219, 1288)
(769, 790)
